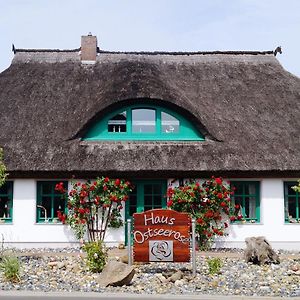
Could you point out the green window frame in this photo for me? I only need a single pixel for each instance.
(247, 194)
(6, 202)
(49, 201)
(147, 194)
(291, 203)
(158, 124)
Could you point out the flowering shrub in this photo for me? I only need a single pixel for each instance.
(208, 203)
(96, 256)
(92, 206)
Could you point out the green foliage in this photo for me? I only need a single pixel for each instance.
(3, 173)
(214, 265)
(96, 256)
(208, 203)
(115, 220)
(10, 266)
(296, 188)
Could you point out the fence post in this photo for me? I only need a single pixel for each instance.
(194, 246)
(129, 242)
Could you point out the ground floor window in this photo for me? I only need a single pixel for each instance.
(6, 202)
(247, 198)
(291, 203)
(49, 201)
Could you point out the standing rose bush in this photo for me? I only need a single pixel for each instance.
(93, 206)
(208, 203)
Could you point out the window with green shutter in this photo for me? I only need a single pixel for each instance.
(49, 201)
(247, 196)
(6, 202)
(291, 203)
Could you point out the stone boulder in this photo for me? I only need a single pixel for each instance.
(116, 274)
(259, 251)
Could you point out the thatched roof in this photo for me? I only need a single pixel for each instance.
(244, 103)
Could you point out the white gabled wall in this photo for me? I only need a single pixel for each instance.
(25, 232)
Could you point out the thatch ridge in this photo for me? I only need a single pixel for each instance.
(231, 52)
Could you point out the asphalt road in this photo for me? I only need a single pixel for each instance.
(18, 295)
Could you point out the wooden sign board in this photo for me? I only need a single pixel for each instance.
(161, 235)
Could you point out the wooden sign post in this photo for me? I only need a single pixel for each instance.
(161, 235)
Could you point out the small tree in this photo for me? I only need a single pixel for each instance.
(3, 173)
(208, 203)
(93, 206)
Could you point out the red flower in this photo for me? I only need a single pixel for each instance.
(106, 179)
(232, 218)
(92, 188)
(237, 206)
(225, 225)
(223, 204)
(170, 191)
(220, 195)
(219, 181)
(239, 217)
(81, 210)
(83, 194)
(209, 214)
(200, 221)
(113, 198)
(60, 188)
(117, 182)
(169, 203)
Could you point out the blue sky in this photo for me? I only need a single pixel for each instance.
(166, 25)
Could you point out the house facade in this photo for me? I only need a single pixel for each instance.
(158, 119)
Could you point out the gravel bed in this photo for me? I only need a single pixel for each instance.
(59, 272)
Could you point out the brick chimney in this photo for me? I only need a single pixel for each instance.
(88, 49)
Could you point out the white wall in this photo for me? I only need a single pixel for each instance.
(25, 232)
(272, 224)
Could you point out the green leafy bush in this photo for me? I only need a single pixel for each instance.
(297, 187)
(3, 173)
(214, 265)
(96, 256)
(10, 266)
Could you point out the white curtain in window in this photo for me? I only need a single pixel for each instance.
(252, 201)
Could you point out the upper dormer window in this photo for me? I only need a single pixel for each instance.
(143, 122)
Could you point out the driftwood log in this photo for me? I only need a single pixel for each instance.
(259, 251)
